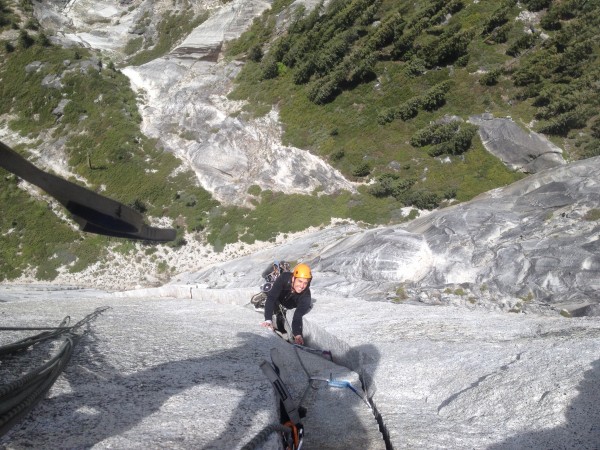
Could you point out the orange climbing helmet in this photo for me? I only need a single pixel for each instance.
(302, 271)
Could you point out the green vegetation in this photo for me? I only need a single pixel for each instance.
(592, 215)
(386, 75)
(100, 129)
(400, 295)
(172, 29)
(381, 89)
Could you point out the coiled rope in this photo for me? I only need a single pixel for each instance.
(20, 396)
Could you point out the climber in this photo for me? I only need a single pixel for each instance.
(291, 291)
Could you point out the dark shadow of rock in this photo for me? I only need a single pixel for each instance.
(101, 401)
(581, 430)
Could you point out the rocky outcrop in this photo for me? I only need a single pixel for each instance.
(530, 245)
(184, 95)
(186, 106)
(519, 150)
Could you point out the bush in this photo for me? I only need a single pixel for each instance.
(415, 67)
(323, 91)
(500, 34)
(565, 122)
(434, 134)
(390, 185)
(255, 54)
(304, 71)
(435, 97)
(25, 41)
(524, 42)
(536, 5)
(337, 155)
(526, 76)
(463, 138)
(362, 170)
(550, 21)
(490, 78)
(498, 18)
(422, 200)
(386, 115)
(269, 70)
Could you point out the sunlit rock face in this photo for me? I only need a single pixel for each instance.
(184, 100)
(533, 239)
(527, 152)
(533, 244)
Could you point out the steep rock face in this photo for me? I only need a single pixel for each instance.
(530, 239)
(186, 107)
(530, 244)
(184, 93)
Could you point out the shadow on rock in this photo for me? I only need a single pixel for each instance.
(102, 401)
(582, 427)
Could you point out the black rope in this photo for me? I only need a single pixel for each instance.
(31, 340)
(33, 328)
(20, 396)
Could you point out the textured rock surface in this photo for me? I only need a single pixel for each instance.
(519, 150)
(184, 94)
(523, 246)
(184, 373)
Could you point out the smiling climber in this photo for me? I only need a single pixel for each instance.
(290, 291)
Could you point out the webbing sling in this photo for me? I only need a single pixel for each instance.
(93, 212)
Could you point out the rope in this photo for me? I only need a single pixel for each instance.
(57, 331)
(20, 396)
(34, 387)
(29, 341)
(264, 434)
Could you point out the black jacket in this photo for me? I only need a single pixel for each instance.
(281, 292)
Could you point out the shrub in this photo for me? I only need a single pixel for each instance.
(498, 18)
(525, 76)
(550, 21)
(25, 41)
(565, 122)
(463, 138)
(524, 42)
(592, 215)
(409, 109)
(255, 54)
(362, 170)
(536, 5)
(269, 70)
(490, 78)
(434, 134)
(500, 34)
(323, 91)
(304, 71)
(337, 155)
(386, 115)
(435, 97)
(390, 185)
(415, 67)
(422, 200)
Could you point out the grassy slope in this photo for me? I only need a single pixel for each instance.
(101, 122)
